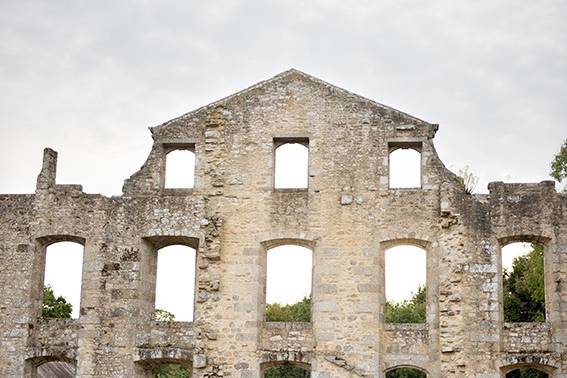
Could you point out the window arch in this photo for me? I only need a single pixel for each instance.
(291, 167)
(169, 369)
(285, 299)
(165, 366)
(526, 372)
(50, 366)
(522, 266)
(292, 369)
(169, 273)
(406, 372)
(175, 274)
(405, 284)
(180, 168)
(62, 274)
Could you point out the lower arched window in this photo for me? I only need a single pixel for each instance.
(527, 372)
(286, 370)
(171, 370)
(406, 372)
(50, 366)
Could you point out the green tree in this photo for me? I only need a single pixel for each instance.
(163, 315)
(559, 164)
(286, 371)
(524, 289)
(405, 373)
(526, 373)
(171, 371)
(55, 307)
(297, 312)
(408, 311)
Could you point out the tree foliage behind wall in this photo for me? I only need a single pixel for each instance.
(559, 164)
(55, 307)
(286, 371)
(297, 312)
(171, 371)
(409, 311)
(526, 373)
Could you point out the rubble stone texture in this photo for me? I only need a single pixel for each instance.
(348, 216)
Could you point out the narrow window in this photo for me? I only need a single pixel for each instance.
(175, 283)
(406, 372)
(288, 299)
(286, 369)
(62, 280)
(180, 169)
(291, 165)
(171, 370)
(404, 168)
(523, 282)
(406, 292)
(527, 372)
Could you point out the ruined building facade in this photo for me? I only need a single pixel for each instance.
(347, 216)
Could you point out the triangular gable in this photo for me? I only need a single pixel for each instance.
(284, 75)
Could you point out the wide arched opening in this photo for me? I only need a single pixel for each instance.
(285, 369)
(522, 264)
(50, 367)
(405, 283)
(62, 276)
(527, 372)
(406, 372)
(288, 282)
(291, 166)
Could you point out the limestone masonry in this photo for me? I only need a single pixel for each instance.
(348, 216)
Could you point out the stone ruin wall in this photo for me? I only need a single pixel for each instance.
(348, 216)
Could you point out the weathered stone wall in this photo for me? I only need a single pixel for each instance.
(348, 216)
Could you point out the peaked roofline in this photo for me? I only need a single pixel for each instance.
(283, 74)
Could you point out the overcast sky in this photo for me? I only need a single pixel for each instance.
(88, 77)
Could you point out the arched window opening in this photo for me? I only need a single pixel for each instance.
(523, 283)
(175, 283)
(405, 283)
(527, 373)
(62, 280)
(286, 371)
(291, 165)
(405, 168)
(59, 369)
(288, 284)
(405, 372)
(171, 370)
(180, 169)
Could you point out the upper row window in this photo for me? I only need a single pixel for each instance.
(180, 169)
(404, 166)
(291, 166)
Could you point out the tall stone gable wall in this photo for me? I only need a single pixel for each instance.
(348, 216)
